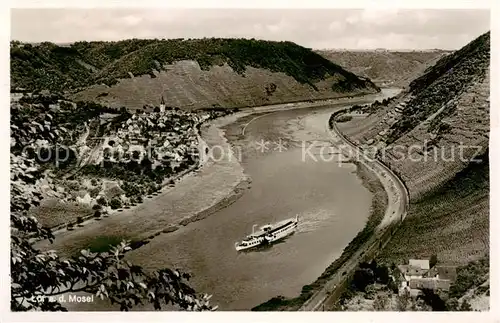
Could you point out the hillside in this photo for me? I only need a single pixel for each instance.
(188, 73)
(436, 136)
(385, 68)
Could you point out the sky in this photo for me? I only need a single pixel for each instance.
(312, 28)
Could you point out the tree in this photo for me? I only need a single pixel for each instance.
(382, 274)
(452, 304)
(362, 278)
(156, 109)
(433, 260)
(434, 300)
(37, 277)
(94, 191)
(102, 201)
(115, 203)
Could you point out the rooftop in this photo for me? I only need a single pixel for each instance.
(421, 263)
(412, 270)
(430, 283)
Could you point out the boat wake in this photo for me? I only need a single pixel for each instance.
(313, 221)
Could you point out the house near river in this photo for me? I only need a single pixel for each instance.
(417, 275)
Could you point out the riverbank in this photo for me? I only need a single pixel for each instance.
(379, 203)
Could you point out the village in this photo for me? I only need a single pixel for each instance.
(120, 159)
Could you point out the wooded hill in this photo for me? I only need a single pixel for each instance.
(59, 68)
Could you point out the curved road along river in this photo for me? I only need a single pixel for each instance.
(397, 206)
(293, 169)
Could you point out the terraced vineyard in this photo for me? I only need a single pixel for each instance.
(433, 135)
(451, 222)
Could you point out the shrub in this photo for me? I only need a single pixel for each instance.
(97, 214)
(344, 118)
(115, 203)
(79, 220)
(381, 302)
(102, 201)
(452, 304)
(370, 292)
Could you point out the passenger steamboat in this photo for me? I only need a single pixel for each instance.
(268, 234)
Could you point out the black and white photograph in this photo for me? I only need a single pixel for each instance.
(169, 159)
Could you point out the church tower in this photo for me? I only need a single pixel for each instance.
(162, 104)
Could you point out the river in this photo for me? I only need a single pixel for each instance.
(288, 177)
(330, 200)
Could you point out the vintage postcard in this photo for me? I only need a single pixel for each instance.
(249, 159)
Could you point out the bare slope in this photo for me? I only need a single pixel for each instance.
(184, 84)
(395, 68)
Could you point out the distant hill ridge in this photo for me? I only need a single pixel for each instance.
(86, 64)
(382, 66)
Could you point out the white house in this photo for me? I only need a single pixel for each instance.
(418, 275)
(416, 269)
